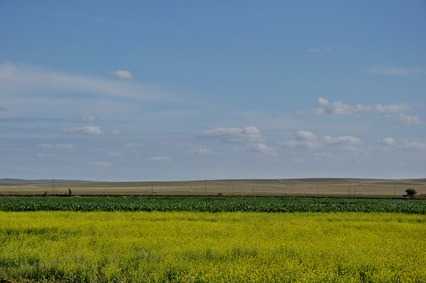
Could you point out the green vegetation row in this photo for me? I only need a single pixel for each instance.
(213, 204)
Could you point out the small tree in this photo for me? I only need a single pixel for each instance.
(69, 192)
(410, 193)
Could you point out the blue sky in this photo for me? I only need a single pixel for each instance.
(144, 90)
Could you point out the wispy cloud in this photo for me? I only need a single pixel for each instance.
(123, 74)
(29, 79)
(159, 158)
(341, 140)
(308, 139)
(250, 137)
(328, 107)
(409, 119)
(89, 118)
(389, 141)
(262, 148)
(244, 134)
(416, 145)
(202, 150)
(85, 130)
(397, 71)
(44, 155)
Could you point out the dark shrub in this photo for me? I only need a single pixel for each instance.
(411, 193)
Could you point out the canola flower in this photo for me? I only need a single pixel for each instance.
(211, 247)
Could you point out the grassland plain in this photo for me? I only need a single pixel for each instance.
(212, 247)
(266, 187)
(213, 204)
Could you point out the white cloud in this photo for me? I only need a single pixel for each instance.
(405, 144)
(390, 108)
(159, 158)
(327, 107)
(396, 71)
(389, 141)
(202, 151)
(262, 148)
(311, 140)
(338, 108)
(313, 50)
(123, 74)
(29, 79)
(416, 145)
(306, 138)
(43, 155)
(89, 118)
(245, 134)
(250, 137)
(342, 140)
(409, 119)
(86, 130)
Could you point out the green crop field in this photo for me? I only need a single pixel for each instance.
(213, 204)
(211, 247)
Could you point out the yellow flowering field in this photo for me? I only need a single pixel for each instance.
(211, 247)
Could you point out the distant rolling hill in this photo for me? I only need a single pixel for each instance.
(236, 187)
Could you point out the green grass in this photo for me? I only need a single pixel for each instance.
(213, 204)
(212, 247)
